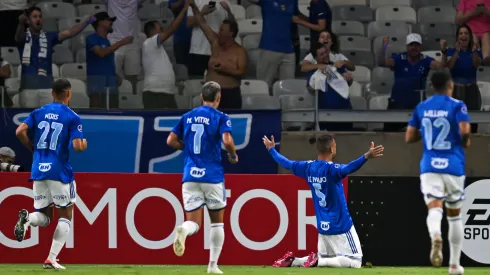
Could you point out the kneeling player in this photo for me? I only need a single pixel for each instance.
(338, 244)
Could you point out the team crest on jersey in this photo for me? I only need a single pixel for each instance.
(464, 110)
(44, 167)
(198, 172)
(79, 128)
(325, 226)
(228, 123)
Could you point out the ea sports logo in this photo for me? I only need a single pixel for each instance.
(476, 220)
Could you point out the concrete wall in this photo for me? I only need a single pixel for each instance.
(400, 159)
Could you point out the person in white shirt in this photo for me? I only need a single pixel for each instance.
(200, 50)
(128, 57)
(159, 84)
(10, 10)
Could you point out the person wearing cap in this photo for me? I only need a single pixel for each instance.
(101, 67)
(36, 51)
(411, 69)
(7, 155)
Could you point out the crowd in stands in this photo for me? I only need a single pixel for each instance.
(265, 54)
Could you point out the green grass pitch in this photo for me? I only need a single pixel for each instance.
(232, 270)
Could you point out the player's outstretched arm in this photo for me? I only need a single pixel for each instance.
(353, 166)
(280, 159)
(173, 141)
(412, 135)
(21, 134)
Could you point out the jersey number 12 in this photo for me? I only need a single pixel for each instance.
(199, 130)
(440, 143)
(45, 126)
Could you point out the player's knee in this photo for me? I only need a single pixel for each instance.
(66, 212)
(434, 204)
(216, 216)
(453, 212)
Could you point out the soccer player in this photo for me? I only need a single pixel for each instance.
(53, 127)
(444, 129)
(338, 244)
(199, 134)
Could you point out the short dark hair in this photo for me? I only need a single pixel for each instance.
(149, 27)
(60, 86)
(440, 80)
(30, 10)
(210, 91)
(317, 47)
(233, 26)
(323, 143)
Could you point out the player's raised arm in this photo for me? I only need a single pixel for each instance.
(344, 170)
(173, 139)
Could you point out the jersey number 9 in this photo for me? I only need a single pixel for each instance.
(45, 126)
(440, 143)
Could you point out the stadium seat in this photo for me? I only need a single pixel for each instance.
(348, 28)
(166, 12)
(355, 89)
(254, 87)
(417, 4)
(254, 12)
(382, 75)
(362, 74)
(396, 13)
(128, 100)
(238, 11)
(374, 4)
(396, 45)
(89, 9)
(333, 3)
(435, 29)
(253, 57)
(484, 87)
(74, 70)
(355, 43)
(50, 24)
(250, 26)
(79, 97)
(193, 87)
(57, 10)
(304, 43)
(379, 102)
(353, 13)
(62, 55)
(149, 11)
(196, 101)
(433, 43)
(12, 85)
(434, 54)
(358, 103)
(140, 86)
(251, 41)
(67, 23)
(14, 70)
(437, 14)
(378, 88)
(260, 102)
(11, 55)
(80, 56)
(363, 58)
(387, 28)
(483, 74)
(296, 101)
(79, 2)
(183, 102)
(181, 73)
(304, 9)
(289, 86)
(79, 41)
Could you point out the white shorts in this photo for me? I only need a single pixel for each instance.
(346, 244)
(196, 195)
(35, 98)
(445, 187)
(128, 59)
(48, 192)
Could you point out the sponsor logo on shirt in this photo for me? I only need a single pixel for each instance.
(59, 197)
(325, 226)
(44, 167)
(439, 163)
(198, 172)
(40, 197)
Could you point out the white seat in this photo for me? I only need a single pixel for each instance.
(387, 28)
(254, 12)
(289, 86)
(79, 97)
(437, 55)
(251, 41)
(90, 9)
(74, 70)
(355, 89)
(484, 88)
(295, 101)
(79, 41)
(254, 87)
(238, 11)
(333, 3)
(128, 100)
(378, 103)
(67, 23)
(483, 74)
(14, 71)
(380, 3)
(80, 56)
(140, 86)
(149, 11)
(250, 26)
(193, 87)
(355, 43)
(382, 75)
(253, 57)
(57, 10)
(11, 55)
(362, 74)
(62, 55)
(348, 28)
(396, 45)
(304, 9)
(304, 41)
(260, 102)
(396, 13)
(12, 85)
(437, 14)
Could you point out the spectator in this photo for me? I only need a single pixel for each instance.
(36, 50)
(276, 43)
(5, 101)
(331, 97)
(10, 10)
(475, 13)
(182, 36)
(128, 56)
(7, 155)
(200, 51)
(463, 60)
(101, 68)
(228, 61)
(159, 84)
(320, 19)
(335, 57)
(411, 69)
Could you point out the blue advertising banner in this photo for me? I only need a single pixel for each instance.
(135, 141)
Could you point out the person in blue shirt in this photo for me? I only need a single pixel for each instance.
(463, 61)
(411, 69)
(50, 132)
(320, 19)
(199, 134)
(182, 36)
(338, 243)
(442, 123)
(100, 60)
(36, 53)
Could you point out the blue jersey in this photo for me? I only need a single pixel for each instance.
(201, 130)
(438, 119)
(53, 127)
(325, 181)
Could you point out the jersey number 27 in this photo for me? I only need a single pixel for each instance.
(440, 143)
(45, 126)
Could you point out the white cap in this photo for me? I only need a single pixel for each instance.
(6, 151)
(414, 38)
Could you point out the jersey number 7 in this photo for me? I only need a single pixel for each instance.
(199, 130)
